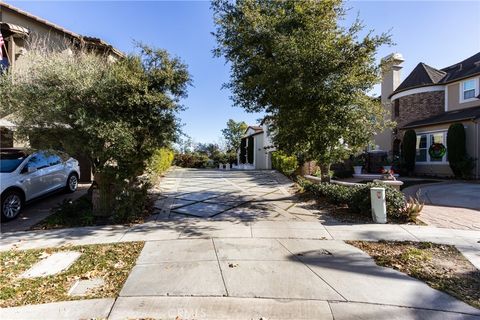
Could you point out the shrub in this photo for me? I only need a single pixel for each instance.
(191, 160)
(409, 150)
(284, 163)
(358, 197)
(160, 161)
(460, 163)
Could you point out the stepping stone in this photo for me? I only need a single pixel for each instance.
(51, 265)
(198, 196)
(83, 287)
(202, 209)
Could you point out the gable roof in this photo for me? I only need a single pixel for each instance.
(424, 75)
(256, 130)
(447, 117)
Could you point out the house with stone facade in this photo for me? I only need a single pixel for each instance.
(19, 30)
(428, 101)
(256, 148)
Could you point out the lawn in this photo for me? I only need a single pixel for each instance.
(441, 266)
(111, 262)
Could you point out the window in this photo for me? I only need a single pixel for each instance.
(421, 148)
(396, 108)
(468, 90)
(54, 159)
(38, 161)
(424, 141)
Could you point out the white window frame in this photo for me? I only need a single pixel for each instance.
(429, 143)
(475, 82)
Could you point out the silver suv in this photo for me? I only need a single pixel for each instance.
(26, 175)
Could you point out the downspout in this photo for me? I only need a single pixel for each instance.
(477, 151)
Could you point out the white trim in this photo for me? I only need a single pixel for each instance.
(429, 143)
(417, 90)
(475, 80)
(446, 98)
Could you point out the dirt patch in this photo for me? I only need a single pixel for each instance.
(441, 266)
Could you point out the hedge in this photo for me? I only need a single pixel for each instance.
(409, 149)
(357, 198)
(284, 163)
(161, 160)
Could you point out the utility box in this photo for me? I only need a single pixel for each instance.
(379, 207)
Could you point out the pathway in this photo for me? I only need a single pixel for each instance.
(236, 245)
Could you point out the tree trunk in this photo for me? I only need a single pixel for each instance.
(325, 172)
(102, 196)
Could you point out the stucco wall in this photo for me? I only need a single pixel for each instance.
(453, 92)
(56, 38)
(260, 162)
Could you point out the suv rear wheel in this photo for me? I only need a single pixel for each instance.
(12, 204)
(72, 183)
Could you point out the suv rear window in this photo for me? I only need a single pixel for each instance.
(10, 160)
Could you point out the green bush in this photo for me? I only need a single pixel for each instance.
(409, 150)
(191, 160)
(160, 161)
(460, 163)
(284, 163)
(358, 197)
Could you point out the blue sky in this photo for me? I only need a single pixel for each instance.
(437, 33)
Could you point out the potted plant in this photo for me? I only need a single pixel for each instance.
(358, 163)
(387, 164)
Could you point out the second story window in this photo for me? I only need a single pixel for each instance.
(396, 108)
(469, 89)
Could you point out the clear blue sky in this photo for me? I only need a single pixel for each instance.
(437, 33)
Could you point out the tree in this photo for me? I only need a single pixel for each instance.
(460, 162)
(115, 113)
(409, 150)
(293, 60)
(233, 134)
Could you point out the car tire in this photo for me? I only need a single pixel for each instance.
(72, 183)
(12, 205)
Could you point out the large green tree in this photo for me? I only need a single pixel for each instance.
(295, 61)
(115, 113)
(233, 134)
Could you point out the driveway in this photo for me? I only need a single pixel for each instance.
(40, 209)
(460, 195)
(237, 245)
(450, 204)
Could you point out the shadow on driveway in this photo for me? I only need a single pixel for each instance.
(39, 209)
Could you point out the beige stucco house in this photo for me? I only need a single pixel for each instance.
(256, 148)
(19, 29)
(429, 100)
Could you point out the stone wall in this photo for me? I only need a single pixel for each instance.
(419, 106)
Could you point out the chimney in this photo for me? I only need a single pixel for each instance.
(391, 72)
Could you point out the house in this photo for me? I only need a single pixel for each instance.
(428, 101)
(256, 148)
(18, 30)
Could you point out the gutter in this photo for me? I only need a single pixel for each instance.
(439, 122)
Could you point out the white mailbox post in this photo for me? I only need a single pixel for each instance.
(379, 208)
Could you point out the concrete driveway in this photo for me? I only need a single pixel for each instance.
(461, 195)
(40, 209)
